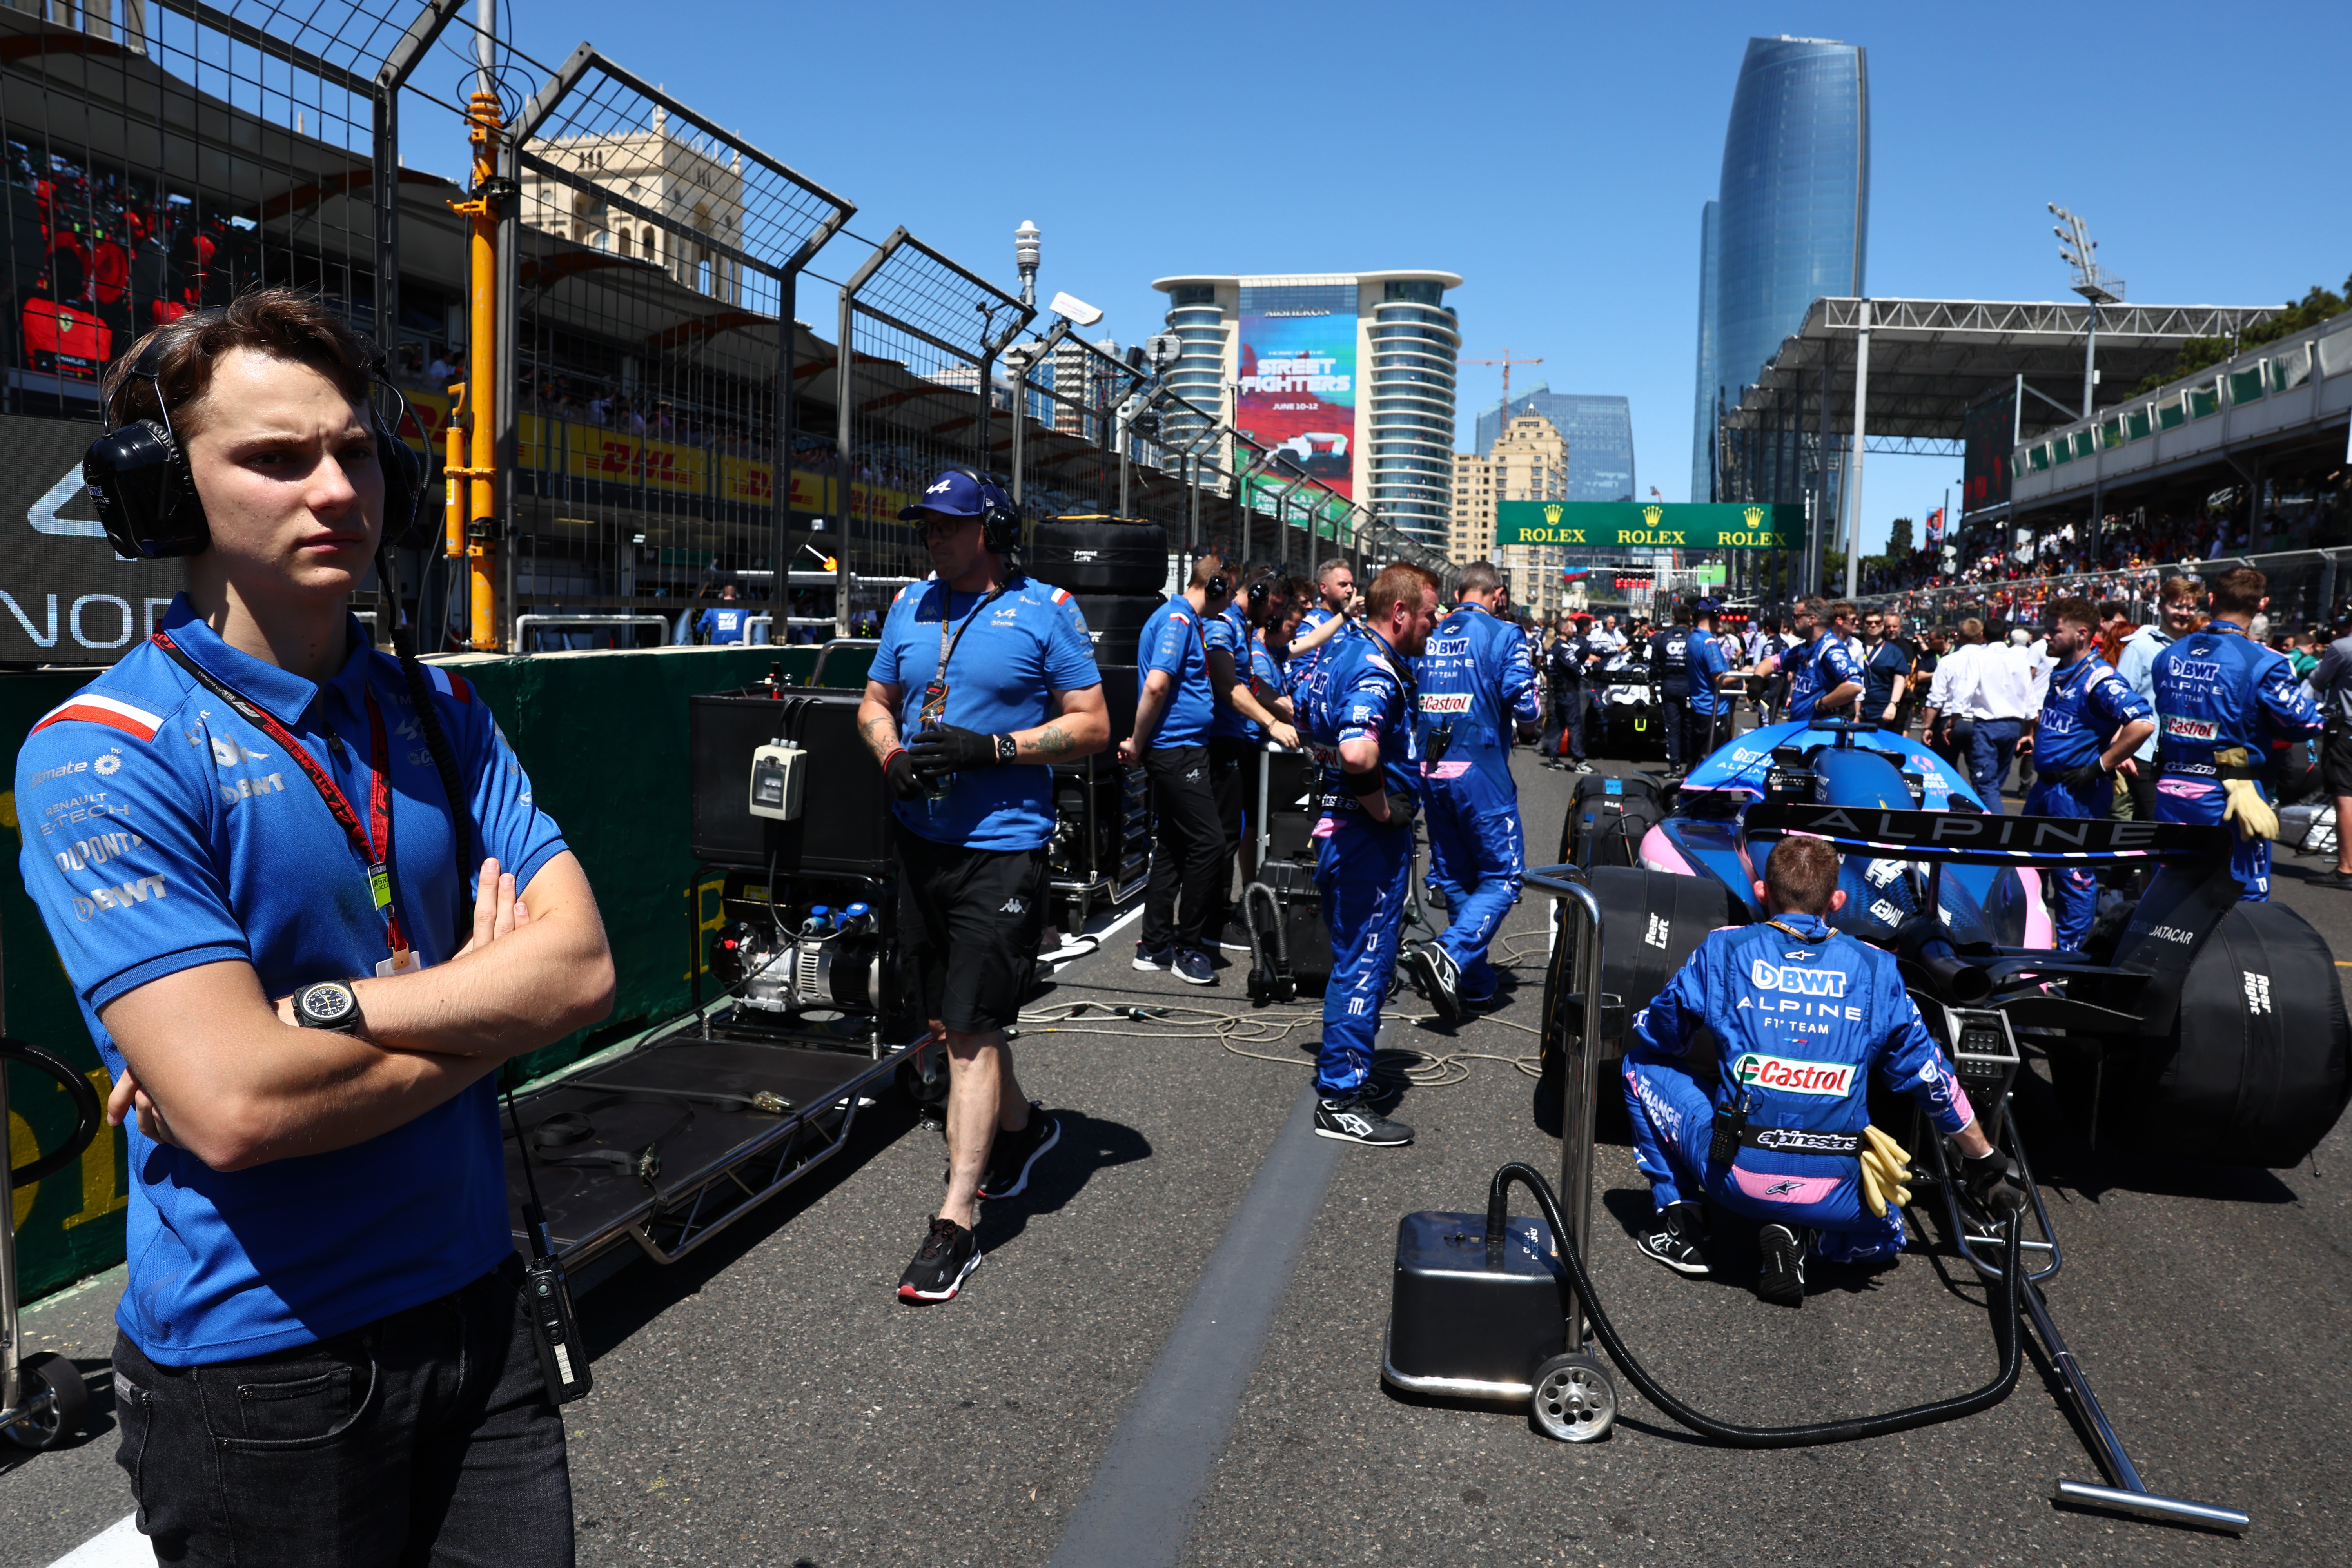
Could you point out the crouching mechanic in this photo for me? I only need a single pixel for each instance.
(1477, 685)
(1357, 707)
(2091, 722)
(989, 678)
(1747, 1081)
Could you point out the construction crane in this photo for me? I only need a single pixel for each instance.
(1506, 361)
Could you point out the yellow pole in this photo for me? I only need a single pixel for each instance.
(480, 393)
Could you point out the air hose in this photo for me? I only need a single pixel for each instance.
(86, 1112)
(1812, 1433)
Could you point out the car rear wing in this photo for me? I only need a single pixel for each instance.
(1970, 838)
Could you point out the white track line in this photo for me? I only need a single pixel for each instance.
(119, 1545)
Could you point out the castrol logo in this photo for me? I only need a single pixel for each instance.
(1830, 1081)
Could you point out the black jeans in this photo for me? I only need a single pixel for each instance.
(1232, 774)
(425, 1437)
(1187, 849)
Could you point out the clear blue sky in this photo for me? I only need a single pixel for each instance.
(1555, 156)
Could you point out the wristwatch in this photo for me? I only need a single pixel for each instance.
(329, 1004)
(1008, 749)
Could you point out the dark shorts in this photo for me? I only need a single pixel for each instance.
(2335, 760)
(969, 923)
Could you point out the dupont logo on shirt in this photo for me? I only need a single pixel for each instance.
(2190, 729)
(1830, 1081)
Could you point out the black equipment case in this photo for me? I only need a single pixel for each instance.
(844, 827)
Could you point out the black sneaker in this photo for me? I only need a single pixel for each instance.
(949, 1254)
(1436, 977)
(2333, 879)
(1011, 1158)
(1355, 1121)
(1781, 1275)
(1154, 958)
(1192, 966)
(1675, 1238)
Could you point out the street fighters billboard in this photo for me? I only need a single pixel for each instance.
(1299, 387)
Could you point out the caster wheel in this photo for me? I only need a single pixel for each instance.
(1575, 1401)
(924, 1078)
(64, 1409)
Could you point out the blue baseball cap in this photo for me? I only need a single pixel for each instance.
(954, 494)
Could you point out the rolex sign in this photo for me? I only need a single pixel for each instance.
(1612, 525)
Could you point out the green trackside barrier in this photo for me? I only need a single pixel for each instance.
(603, 736)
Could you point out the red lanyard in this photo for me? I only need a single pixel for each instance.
(372, 840)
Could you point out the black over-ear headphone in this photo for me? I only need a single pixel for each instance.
(139, 479)
(1000, 525)
(1220, 584)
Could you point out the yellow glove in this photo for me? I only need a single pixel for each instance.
(2246, 804)
(1885, 1172)
(1871, 1192)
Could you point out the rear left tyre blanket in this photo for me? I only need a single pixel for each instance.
(2258, 1066)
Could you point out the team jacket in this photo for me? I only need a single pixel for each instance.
(1475, 679)
(2218, 689)
(1800, 1017)
(1670, 652)
(1817, 668)
(1359, 689)
(2086, 704)
(1565, 664)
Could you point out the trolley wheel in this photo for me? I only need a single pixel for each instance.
(67, 1406)
(923, 1078)
(1575, 1399)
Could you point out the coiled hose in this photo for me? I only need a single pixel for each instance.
(77, 1090)
(1811, 1433)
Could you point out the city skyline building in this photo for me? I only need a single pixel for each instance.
(1791, 220)
(1598, 430)
(1530, 461)
(1351, 377)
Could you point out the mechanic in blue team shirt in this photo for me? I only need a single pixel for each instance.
(1824, 675)
(302, 1002)
(1565, 662)
(2220, 697)
(1477, 689)
(984, 679)
(1357, 708)
(1336, 605)
(726, 621)
(1748, 1084)
(1173, 711)
(1250, 710)
(1710, 705)
(2091, 724)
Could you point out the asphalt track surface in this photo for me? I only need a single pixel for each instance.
(769, 1400)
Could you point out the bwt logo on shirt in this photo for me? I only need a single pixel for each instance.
(2190, 729)
(2197, 670)
(1801, 981)
(119, 897)
(1832, 1080)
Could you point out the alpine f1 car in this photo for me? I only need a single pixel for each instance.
(2202, 1028)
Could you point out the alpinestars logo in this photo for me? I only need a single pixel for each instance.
(1797, 1141)
(2258, 993)
(1830, 1080)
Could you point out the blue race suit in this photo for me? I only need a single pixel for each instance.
(1359, 689)
(2086, 704)
(2215, 689)
(1800, 1015)
(1475, 680)
(1817, 668)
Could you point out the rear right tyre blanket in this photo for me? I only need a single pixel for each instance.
(1099, 557)
(1609, 818)
(2260, 1065)
(1115, 621)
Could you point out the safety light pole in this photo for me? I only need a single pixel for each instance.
(2097, 287)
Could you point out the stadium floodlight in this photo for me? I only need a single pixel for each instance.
(1080, 313)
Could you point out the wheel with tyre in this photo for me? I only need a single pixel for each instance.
(54, 1386)
(1575, 1399)
(1096, 556)
(1114, 622)
(923, 1075)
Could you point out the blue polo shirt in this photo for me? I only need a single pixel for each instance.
(162, 832)
(1175, 638)
(1008, 661)
(725, 623)
(1231, 632)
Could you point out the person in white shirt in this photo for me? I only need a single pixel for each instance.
(2005, 705)
(2037, 653)
(2179, 609)
(1949, 728)
(1607, 638)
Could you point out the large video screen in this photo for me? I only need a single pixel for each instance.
(1298, 376)
(1986, 433)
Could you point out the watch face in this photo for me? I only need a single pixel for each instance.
(326, 1004)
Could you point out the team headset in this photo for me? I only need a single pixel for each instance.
(1000, 525)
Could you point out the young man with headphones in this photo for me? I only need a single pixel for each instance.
(984, 679)
(251, 842)
(1172, 717)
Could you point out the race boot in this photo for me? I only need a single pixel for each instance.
(1780, 1272)
(1675, 1238)
(1436, 977)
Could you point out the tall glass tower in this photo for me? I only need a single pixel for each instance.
(1791, 221)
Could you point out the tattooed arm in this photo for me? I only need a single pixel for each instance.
(1082, 728)
(878, 722)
